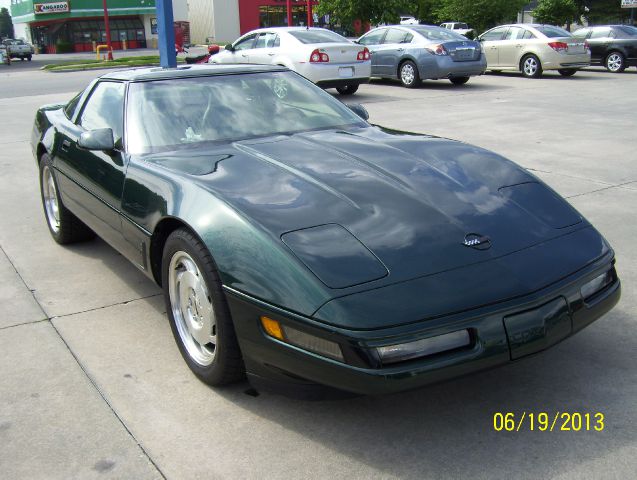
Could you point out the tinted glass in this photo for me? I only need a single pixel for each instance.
(494, 34)
(600, 33)
(395, 35)
(178, 113)
(317, 36)
(70, 108)
(105, 108)
(528, 34)
(629, 29)
(266, 40)
(581, 33)
(373, 38)
(246, 43)
(514, 33)
(553, 32)
(437, 34)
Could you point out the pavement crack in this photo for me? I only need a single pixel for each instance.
(620, 185)
(33, 322)
(123, 302)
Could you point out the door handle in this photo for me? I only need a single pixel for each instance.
(271, 54)
(244, 55)
(400, 49)
(65, 145)
(518, 46)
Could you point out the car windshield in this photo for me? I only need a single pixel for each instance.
(176, 113)
(437, 34)
(461, 25)
(317, 36)
(553, 32)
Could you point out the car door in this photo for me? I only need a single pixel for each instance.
(599, 43)
(392, 50)
(267, 47)
(511, 47)
(490, 45)
(92, 181)
(373, 41)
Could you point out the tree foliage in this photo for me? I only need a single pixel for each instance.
(6, 25)
(479, 14)
(556, 12)
(373, 11)
(599, 12)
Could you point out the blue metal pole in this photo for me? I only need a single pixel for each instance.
(166, 32)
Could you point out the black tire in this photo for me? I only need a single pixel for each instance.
(226, 363)
(459, 80)
(347, 89)
(496, 72)
(615, 62)
(29, 58)
(530, 66)
(567, 72)
(65, 228)
(408, 74)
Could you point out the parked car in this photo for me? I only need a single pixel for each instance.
(613, 46)
(532, 49)
(19, 49)
(320, 55)
(408, 20)
(458, 27)
(297, 242)
(414, 53)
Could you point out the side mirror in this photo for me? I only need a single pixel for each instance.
(99, 139)
(229, 47)
(359, 110)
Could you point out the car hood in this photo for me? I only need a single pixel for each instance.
(368, 207)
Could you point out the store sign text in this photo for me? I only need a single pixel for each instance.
(56, 7)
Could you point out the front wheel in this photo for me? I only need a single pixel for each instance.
(615, 62)
(459, 80)
(567, 72)
(531, 67)
(29, 58)
(63, 225)
(347, 89)
(409, 75)
(198, 312)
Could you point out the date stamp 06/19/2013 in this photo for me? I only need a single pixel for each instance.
(548, 421)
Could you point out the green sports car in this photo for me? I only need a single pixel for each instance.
(302, 246)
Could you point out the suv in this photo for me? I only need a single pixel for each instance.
(18, 49)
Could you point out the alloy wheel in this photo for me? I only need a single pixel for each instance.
(530, 67)
(192, 308)
(407, 74)
(614, 62)
(49, 193)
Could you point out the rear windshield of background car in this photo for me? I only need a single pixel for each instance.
(437, 34)
(317, 36)
(553, 32)
(461, 25)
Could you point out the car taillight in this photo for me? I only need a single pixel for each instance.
(319, 57)
(363, 54)
(558, 46)
(437, 49)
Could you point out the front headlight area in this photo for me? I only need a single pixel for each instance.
(358, 353)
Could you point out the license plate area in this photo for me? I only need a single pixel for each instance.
(534, 330)
(346, 72)
(461, 54)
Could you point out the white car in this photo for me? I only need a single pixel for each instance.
(322, 56)
(409, 21)
(458, 27)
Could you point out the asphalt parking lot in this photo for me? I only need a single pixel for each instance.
(93, 385)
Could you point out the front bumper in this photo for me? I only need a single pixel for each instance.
(500, 333)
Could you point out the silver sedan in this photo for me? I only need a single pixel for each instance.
(414, 53)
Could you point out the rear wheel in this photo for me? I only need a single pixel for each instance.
(531, 66)
(198, 312)
(615, 62)
(567, 72)
(29, 58)
(347, 89)
(459, 80)
(408, 73)
(63, 225)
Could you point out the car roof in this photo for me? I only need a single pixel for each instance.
(159, 73)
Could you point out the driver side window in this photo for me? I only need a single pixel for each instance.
(246, 43)
(105, 109)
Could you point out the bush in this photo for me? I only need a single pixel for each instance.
(62, 46)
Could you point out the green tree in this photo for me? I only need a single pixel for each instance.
(599, 12)
(479, 14)
(6, 25)
(373, 11)
(556, 12)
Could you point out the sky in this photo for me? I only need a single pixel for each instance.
(6, 3)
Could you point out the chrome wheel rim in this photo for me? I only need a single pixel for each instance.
(192, 309)
(530, 66)
(407, 74)
(49, 195)
(614, 62)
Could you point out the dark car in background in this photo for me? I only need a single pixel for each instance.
(418, 52)
(299, 244)
(613, 46)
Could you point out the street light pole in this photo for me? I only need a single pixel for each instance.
(108, 32)
(166, 32)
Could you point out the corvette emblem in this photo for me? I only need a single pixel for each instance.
(477, 241)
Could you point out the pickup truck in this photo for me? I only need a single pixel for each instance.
(18, 49)
(458, 27)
